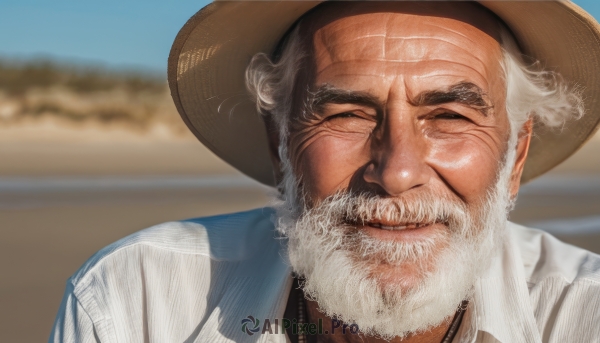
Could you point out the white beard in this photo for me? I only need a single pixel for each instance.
(337, 260)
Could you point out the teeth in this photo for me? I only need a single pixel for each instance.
(399, 227)
(393, 227)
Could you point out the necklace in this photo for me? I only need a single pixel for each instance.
(458, 316)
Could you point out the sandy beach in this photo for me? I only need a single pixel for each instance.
(65, 195)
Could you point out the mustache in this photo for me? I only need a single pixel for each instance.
(359, 208)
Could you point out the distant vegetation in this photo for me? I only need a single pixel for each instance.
(18, 77)
(36, 89)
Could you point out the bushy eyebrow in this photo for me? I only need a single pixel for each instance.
(328, 94)
(466, 93)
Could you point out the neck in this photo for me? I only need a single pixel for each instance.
(340, 335)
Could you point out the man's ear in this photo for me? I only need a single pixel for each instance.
(273, 139)
(522, 150)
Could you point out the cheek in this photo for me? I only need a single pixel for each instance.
(467, 165)
(329, 161)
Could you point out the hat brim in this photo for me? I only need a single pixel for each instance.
(211, 52)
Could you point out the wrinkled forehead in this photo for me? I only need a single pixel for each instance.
(403, 31)
(468, 13)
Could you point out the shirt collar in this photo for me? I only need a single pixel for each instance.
(250, 255)
(501, 306)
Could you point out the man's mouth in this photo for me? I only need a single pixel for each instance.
(395, 230)
(397, 226)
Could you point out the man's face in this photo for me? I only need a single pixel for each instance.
(403, 104)
(398, 165)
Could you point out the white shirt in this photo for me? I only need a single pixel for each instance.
(196, 280)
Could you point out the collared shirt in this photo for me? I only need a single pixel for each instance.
(199, 280)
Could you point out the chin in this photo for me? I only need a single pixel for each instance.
(402, 277)
(388, 300)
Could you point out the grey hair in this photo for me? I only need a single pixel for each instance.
(531, 91)
(271, 84)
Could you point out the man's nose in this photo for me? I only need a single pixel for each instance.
(398, 160)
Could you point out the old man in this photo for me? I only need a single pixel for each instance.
(398, 134)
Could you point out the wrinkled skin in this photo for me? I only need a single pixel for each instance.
(391, 55)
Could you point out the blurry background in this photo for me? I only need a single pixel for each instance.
(92, 149)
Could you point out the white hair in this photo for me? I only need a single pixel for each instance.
(532, 92)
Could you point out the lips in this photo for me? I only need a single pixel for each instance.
(397, 226)
(394, 230)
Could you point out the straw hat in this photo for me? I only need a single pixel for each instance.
(211, 52)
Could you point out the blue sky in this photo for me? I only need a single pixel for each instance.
(116, 33)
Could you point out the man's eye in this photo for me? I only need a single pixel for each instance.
(342, 115)
(449, 115)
